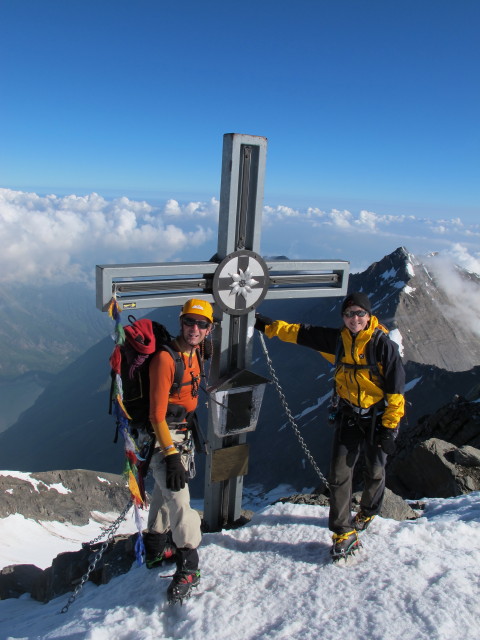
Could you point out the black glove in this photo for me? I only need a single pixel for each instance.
(261, 322)
(386, 440)
(175, 472)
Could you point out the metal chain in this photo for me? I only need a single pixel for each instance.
(288, 412)
(91, 567)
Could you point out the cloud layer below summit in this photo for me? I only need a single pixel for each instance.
(61, 238)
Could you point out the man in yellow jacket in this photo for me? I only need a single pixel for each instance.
(367, 407)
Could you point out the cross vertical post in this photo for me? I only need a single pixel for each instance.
(241, 202)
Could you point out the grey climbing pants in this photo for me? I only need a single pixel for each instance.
(171, 510)
(352, 436)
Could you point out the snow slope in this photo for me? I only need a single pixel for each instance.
(272, 579)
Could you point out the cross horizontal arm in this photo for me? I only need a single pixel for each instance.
(307, 278)
(152, 285)
(147, 286)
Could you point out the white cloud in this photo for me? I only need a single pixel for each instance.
(342, 219)
(193, 209)
(63, 238)
(462, 292)
(463, 258)
(368, 220)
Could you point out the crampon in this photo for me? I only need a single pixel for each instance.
(182, 585)
(344, 545)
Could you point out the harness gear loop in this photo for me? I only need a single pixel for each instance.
(288, 412)
(91, 567)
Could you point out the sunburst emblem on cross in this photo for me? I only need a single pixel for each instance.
(243, 282)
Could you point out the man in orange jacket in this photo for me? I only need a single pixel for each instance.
(173, 526)
(369, 405)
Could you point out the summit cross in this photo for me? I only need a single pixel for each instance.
(236, 280)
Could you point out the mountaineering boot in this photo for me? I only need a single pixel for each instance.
(344, 544)
(159, 548)
(186, 577)
(362, 521)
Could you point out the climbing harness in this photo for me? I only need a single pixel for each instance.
(110, 531)
(288, 412)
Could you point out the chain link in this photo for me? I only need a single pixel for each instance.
(98, 556)
(288, 412)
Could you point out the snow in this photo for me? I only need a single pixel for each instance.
(309, 409)
(410, 269)
(272, 579)
(396, 336)
(50, 538)
(388, 275)
(410, 385)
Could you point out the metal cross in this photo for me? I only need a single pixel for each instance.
(236, 280)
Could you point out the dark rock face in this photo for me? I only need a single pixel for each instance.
(17, 579)
(440, 455)
(394, 507)
(457, 422)
(98, 563)
(437, 469)
(65, 496)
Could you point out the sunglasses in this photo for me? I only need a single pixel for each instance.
(191, 322)
(361, 313)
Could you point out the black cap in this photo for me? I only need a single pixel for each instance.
(356, 298)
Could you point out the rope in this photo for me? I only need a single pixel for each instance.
(98, 556)
(288, 412)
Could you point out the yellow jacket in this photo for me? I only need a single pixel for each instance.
(357, 384)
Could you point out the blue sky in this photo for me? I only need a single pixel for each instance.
(113, 112)
(366, 105)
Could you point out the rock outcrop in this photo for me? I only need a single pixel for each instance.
(440, 456)
(69, 570)
(437, 469)
(64, 496)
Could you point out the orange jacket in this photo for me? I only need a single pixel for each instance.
(162, 372)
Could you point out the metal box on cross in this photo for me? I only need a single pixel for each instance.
(235, 403)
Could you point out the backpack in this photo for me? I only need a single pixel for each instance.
(131, 360)
(143, 338)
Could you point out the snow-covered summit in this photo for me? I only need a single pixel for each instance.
(273, 579)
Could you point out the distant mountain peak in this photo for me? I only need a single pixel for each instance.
(420, 297)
